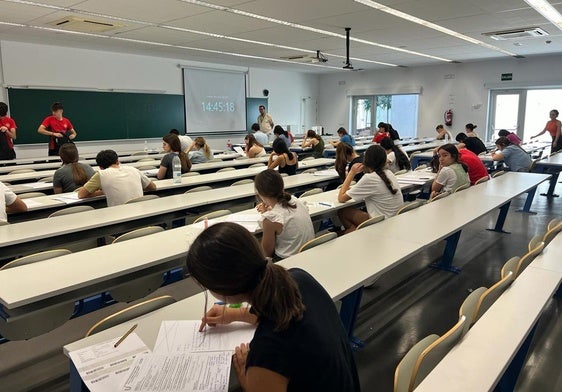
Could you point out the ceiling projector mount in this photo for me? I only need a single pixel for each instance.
(347, 64)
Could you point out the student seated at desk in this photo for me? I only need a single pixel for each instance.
(171, 144)
(346, 157)
(378, 188)
(396, 158)
(314, 141)
(512, 137)
(300, 343)
(73, 174)
(9, 202)
(199, 151)
(253, 148)
(185, 140)
(285, 160)
(286, 222)
(344, 138)
(118, 183)
(472, 143)
(512, 155)
(476, 168)
(261, 137)
(452, 172)
(280, 133)
(469, 130)
(442, 133)
(382, 132)
(7, 134)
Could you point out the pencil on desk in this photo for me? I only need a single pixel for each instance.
(124, 336)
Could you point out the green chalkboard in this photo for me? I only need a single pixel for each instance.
(97, 115)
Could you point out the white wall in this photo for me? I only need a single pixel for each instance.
(467, 93)
(34, 65)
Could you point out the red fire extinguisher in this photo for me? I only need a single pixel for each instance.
(448, 117)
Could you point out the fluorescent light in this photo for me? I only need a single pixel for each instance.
(544, 8)
(423, 22)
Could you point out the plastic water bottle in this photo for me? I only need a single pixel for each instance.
(228, 145)
(145, 146)
(176, 165)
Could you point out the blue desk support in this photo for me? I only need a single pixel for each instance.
(553, 181)
(527, 207)
(348, 314)
(446, 262)
(501, 217)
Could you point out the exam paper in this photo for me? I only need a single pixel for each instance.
(39, 185)
(30, 203)
(327, 172)
(201, 372)
(103, 367)
(68, 198)
(183, 336)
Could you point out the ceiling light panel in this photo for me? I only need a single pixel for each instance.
(547, 10)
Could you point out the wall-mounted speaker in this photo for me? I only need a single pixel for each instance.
(265, 92)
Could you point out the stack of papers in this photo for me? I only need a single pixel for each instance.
(30, 203)
(68, 198)
(327, 172)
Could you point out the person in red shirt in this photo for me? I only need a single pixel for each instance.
(381, 133)
(59, 129)
(476, 169)
(7, 134)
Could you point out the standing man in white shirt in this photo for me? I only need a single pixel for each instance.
(265, 121)
(9, 202)
(185, 140)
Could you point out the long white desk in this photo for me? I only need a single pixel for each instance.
(479, 360)
(551, 164)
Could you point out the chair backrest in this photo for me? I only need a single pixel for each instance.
(225, 169)
(308, 159)
(148, 160)
(403, 171)
(215, 160)
(535, 247)
(311, 170)
(212, 215)
(468, 308)
(408, 207)
(30, 195)
(71, 210)
(414, 153)
(421, 167)
(46, 179)
(370, 221)
(21, 171)
(405, 368)
(191, 174)
(492, 294)
(461, 188)
(199, 189)
(130, 313)
(35, 257)
(553, 228)
(498, 173)
(553, 223)
(257, 165)
(146, 167)
(138, 233)
(310, 192)
(139, 153)
(435, 352)
(142, 198)
(441, 195)
(481, 180)
(510, 266)
(243, 182)
(318, 241)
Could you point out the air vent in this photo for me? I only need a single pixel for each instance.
(84, 25)
(526, 32)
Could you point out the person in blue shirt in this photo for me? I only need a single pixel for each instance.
(344, 137)
(512, 155)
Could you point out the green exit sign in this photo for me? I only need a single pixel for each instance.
(507, 76)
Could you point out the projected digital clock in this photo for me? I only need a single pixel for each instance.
(218, 106)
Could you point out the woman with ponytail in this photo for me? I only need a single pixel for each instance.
(172, 145)
(378, 188)
(397, 159)
(73, 174)
(300, 343)
(199, 151)
(346, 157)
(286, 224)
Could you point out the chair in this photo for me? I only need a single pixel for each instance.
(423, 357)
(256, 165)
(468, 307)
(481, 180)
(243, 182)
(34, 323)
(146, 167)
(138, 153)
(421, 167)
(30, 195)
(461, 188)
(308, 159)
(510, 266)
(553, 228)
(199, 189)
(191, 174)
(310, 171)
(441, 195)
(124, 315)
(403, 171)
(71, 210)
(142, 198)
(215, 160)
(46, 179)
(225, 169)
(535, 247)
(147, 160)
(138, 233)
(370, 221)
(212, 215)
(310, 192)
(498, 173)
(21, 171)
(408, 207)
(318, 241)
(491, 295)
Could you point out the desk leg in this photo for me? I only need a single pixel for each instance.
(553, 181)
(446, 262)
(509, 378)
(558, 293)
(529, 201)
(501, 218)
(76, 384)
(348, 314)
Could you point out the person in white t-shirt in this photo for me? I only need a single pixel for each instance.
(378, 188)
(119, 183)
(185, 140)
(9, 202)
(286, 224)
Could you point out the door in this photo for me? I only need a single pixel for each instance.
(362, 115)
(507, 111)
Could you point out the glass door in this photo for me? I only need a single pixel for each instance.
(507, 111)
(362, 115)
